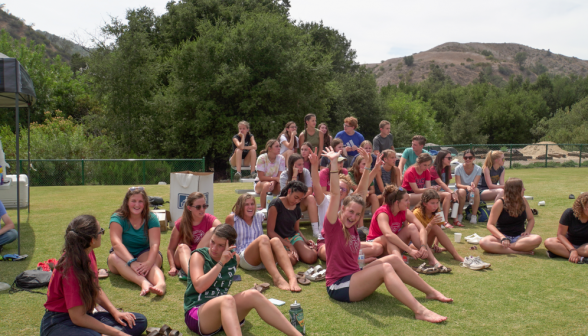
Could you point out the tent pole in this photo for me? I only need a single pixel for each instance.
(29, 156)
(17, 131)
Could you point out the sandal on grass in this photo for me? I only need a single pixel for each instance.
(301, 278)
(317, 276)
(261, 287)
(426, 269)
(442, 269)
(102, 273)
(458, 223)
(449, 226)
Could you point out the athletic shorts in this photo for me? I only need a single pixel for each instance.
(340, 289)
(193, 323)
(295, 238)
(319, 243)
(247, 266)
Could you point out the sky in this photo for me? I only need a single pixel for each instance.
(378, 29)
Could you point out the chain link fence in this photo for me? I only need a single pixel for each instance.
(104, 172)
(522, 155)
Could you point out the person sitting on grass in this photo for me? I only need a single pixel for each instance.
(270, 165)
(440, 177)
(417, 179)
(323, 199)
(491, 183)
(467, 176)
(572, 233)
(356, 173)
(337, 145)
(283, 222)
(74, 290)
(345, 281)
(384, 140)
(394, 226)
(208, 309)
(311, 134)
(7, 233)
(244, 148)
(388, 175)
(297, 172)
(410, 155)
(288, 140)
(135, 236)
(305, 150)
(350, 137)
(191, 231)
(256, 250)
(507, 223)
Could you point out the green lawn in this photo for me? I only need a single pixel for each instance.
(518, 295)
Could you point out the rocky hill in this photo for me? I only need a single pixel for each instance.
(464, 62)
(54, 45)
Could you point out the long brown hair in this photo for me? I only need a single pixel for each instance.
(428, 195)
(355, 198)
(385, 154)
(291, 160)
(239, 207)
(286, 133)
(579, 205)
(514, 203)
(355, 168)
(439, 165)
(78, 236)
(392, 194)
(326, 136)
(268, 145)
(124, 211)
(307, 118)
(422, 158)
(186, 234)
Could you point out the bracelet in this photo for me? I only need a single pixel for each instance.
(131, 261)
(221, 264)
(334, 172)
(503, 239)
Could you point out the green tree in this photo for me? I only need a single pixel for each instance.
(567, 125)
(520, 58)
(409, 60)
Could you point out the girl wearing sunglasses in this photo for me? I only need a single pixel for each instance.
(74, 290)
(467, 177)
(135, 236)
(191, 231)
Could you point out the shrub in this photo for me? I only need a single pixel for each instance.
(517, 165)
(504, 70)
(569, 163)
(451, 65)
(409, 60)
(487, 53)
(469, 60)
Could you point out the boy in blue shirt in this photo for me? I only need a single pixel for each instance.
(351, 139)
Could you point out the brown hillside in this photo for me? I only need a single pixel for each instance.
(463, 62)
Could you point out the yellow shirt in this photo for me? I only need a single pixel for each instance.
(421, 217)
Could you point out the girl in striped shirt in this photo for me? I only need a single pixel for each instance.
(256, 250)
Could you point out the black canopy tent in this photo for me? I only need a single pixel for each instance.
(16, 89)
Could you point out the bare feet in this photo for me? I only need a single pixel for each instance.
(281, 283)
(438, 296)
(145, 287)
(429, 316)
(294, 285)
(157, 289)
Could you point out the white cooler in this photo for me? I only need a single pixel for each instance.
(8, 191)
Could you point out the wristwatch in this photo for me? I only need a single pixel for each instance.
(503, 239)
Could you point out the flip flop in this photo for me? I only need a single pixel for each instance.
(175, 333)
(458, 223)
(261, 287)
(442, 269)
(535, 212)
(301, 278)
(102, 273)
(425, 269)
(317, 276)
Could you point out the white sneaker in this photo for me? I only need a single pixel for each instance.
(474, 219)
(474, 240)
(475, 235)
(471, 263)
(479, 261)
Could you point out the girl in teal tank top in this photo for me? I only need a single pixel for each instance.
(210, 278)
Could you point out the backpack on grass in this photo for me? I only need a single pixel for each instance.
(483, 212)
(32, 279)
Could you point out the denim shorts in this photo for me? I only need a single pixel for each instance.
(340, 289)
(513, 239)
(134, 256)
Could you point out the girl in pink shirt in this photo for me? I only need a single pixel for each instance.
(74, 290)
(345, 281)
(193, 230)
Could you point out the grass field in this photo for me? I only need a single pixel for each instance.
(523, 295)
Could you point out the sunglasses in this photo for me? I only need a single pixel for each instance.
(343, 189)
(136, 188)
(198, 207)
(447, 158)
(468, 157)
(101, 232)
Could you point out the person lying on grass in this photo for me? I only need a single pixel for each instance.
(257, 251)
(394, 226)
(74, 290)
(191, 231)
(283, 222)
(135, 238)
(323, 200)
(207, 307)
(572, 233)
(345, 281)
(426, 212)
(507, 223)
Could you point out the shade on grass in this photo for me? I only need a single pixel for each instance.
(518, 295)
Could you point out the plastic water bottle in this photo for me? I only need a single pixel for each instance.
(361, 259)
(297, 317)
(472, 198)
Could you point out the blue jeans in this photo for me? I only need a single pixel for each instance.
(60, 324)
(8, 237)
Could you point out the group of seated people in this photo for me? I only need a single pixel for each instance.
(207, 252)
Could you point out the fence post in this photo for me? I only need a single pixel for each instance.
(510, 156)
(144, 173)
(471, 148)
(580, 158)
(83, 174)
(546, 148)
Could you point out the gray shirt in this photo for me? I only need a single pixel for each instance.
(465, 178)
(307, 178)
(381, 144)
